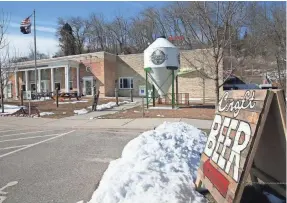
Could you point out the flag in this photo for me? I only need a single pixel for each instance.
(25, 26)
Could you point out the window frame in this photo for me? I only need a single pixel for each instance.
(131, 83)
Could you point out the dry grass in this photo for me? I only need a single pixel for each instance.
(188, 112)
(64, 110)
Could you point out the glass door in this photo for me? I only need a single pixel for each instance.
(88, 87)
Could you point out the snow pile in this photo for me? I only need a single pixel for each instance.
(158, 166)
(109, 105)
(46, 113)
(10, 109)
(81, 111)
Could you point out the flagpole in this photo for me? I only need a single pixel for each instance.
(35, 53)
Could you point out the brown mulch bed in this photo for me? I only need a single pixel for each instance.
(64, 110)
(198, 112)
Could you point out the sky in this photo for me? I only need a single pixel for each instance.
(47, 14)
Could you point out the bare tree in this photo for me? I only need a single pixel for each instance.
(7, 64)
(275, 30)
(141, 33)
(266, 38)
(96, 33)
(215, 26)
(119, 30)
(79, 32)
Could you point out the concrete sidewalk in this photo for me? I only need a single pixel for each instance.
(98, 124)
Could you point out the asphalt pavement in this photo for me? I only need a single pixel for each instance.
(55, 165)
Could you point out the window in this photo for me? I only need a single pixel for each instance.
(71, 85)
(24, 87)
(45, 74)
(33, 86)
(126, 83)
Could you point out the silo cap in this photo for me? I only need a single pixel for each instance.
(160, 42)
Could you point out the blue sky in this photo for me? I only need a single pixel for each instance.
(48, 12)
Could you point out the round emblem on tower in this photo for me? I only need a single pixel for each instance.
(158, 57)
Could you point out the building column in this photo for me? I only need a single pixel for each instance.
(67, 77)
(27, 80)
(39, 81)
(78, 80)
(16, 85)
(6, 84)
(52, 80)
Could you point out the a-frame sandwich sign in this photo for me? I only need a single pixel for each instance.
(246, 144)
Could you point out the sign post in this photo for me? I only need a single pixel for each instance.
(247, 139)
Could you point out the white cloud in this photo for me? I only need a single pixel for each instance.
(21, 44)
(38, 28)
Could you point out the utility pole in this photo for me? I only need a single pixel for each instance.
(35, 53)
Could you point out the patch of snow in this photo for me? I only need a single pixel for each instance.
(136, 111)
(81, 111)
(46, 113)
(10, 109)
(160, 115)
(161, 107)
(109, 105)
(158, 166)
(64, 113)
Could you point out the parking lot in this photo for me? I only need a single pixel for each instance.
(54, 165)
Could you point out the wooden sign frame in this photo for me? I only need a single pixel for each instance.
(247, 139)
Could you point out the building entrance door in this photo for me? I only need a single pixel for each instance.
(88, 86)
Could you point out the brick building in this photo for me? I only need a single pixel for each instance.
(81, 72)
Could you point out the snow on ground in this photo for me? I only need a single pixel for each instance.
(109, 105)
(81, 111)
(10, 109)
(100, 107)
(158, 166)
(46, 113)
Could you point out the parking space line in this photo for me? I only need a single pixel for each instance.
(25, 133)
(25, 138)
(31, 145)
(13, 147)
(3, 131)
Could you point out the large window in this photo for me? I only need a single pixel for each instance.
(126, 83)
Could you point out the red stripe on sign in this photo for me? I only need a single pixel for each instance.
(216, 178)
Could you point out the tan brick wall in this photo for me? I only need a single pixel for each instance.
(110, 72)
(133, 66)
